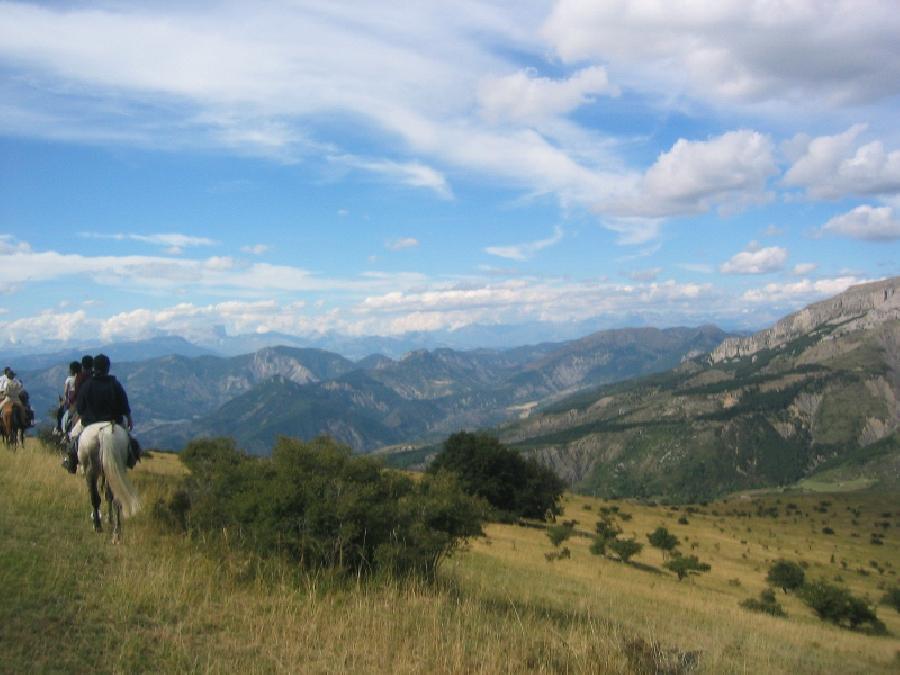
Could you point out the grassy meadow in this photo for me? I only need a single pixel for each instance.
(72, 601)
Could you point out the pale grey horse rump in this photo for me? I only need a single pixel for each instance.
(103, 452)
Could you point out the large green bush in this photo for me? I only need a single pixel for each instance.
(323, 507)
(837, 605)
(511, 483)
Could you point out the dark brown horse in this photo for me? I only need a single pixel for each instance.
(11, 426)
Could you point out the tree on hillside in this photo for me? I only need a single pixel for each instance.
(625, 548)
(662, 539)
(786, 575)
(511, 483)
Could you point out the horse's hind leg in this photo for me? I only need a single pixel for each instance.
(114, 515)
(95, 503)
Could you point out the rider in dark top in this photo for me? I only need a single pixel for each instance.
(100, 399)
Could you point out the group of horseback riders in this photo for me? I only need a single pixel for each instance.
(13, 394)
(90, 395)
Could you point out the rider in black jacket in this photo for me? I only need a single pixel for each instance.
(100, 399)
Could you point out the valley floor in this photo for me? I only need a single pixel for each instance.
(71, 601)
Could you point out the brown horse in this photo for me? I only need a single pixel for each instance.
(11, 426)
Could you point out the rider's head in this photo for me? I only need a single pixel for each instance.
(87, 363)
(101, 364)
(74, 368)
(7, 370)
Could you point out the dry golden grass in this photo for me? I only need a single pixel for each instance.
(73, 601)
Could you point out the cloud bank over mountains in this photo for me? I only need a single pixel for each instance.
(615, 131)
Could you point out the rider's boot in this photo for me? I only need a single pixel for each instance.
(70, 463)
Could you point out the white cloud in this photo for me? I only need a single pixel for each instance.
(728, 171)
(804, 52)
(527, 250)
(9, 244)
(756, 260)
(174, 243)
(801, 291)
(44, 326)
(524, 97)
(402, 243)
(217, 273)
(832, 167)
(801, 269)
(414, 174)
(256, 249)
(865, 222)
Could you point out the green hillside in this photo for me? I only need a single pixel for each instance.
(703, 429)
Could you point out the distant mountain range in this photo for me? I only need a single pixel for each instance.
(377, 400)
(818, 391)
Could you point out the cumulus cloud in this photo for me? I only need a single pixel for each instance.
(256, 249)
(756, 261)
(801, 269)
(739, 50)
(832, 167)
(865, 222)
(524, 97)
(46, 325)
(527, 250)
(727, 171)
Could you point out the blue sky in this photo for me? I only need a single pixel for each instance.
(376, 168)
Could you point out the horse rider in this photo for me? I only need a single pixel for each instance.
(66, 411)
(100, 399)
(12, 393)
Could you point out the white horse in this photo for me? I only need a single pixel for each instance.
(103, 452)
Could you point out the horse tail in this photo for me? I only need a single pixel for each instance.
(113, 459)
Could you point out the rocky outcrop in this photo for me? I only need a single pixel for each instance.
(859, 307)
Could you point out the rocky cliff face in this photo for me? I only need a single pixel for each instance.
(859, 307)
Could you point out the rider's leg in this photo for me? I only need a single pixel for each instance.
(70, 463)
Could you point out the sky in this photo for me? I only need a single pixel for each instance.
(362, 168)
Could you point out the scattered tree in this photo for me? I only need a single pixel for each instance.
(786, 575)
(625, 548)
(662, 539)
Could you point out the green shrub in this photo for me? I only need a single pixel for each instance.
(319, 505)
(892, 598)
(786, 575)
(510, 482)
(767, 604)
(559, 533)
(837, 605)
(684, 565)
(625, 548)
